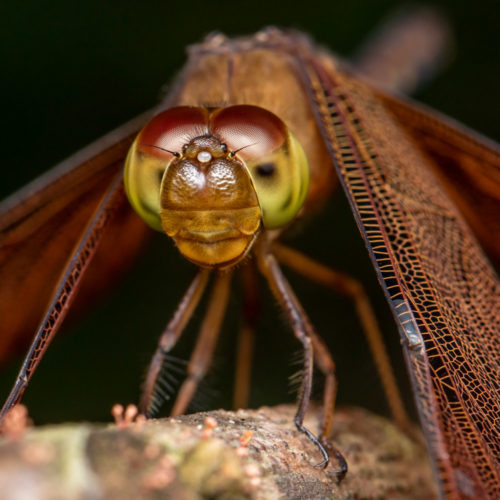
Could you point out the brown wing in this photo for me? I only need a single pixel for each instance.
(467, 165)
(40, 225)
(444, 293)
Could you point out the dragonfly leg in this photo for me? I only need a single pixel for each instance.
(66, 289)
(311, 344)
(348, 286)
(205, 344)
(168, 339)
(246, 338)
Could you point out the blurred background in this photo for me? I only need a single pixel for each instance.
(73, 71)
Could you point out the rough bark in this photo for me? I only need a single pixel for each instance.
(248, 454)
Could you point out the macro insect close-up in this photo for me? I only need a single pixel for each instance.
(250, 141)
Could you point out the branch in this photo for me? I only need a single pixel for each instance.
(248, 454)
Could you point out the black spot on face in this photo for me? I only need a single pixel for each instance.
(266, 169)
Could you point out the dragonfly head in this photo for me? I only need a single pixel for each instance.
(211, 178)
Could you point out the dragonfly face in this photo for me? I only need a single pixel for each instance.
(208, 204)
(209, 177)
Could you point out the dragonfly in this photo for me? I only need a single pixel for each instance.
(224, 166)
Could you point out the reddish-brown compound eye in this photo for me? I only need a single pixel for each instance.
(171, 130)
(250, 130)
(154, 148)
(273, 155)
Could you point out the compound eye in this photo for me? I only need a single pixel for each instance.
(274, 157)
(156, 146)
(250, 130)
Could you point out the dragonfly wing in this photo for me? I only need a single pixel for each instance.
(41, 224)
(443, 291)
(467, 165)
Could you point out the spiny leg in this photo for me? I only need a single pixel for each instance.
(324, 361)
(66, 289)
(205, 344)
(246, 338)
(305, 333)
(169, 338)
(348, 286)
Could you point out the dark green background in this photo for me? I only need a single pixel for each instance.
(73, 72)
